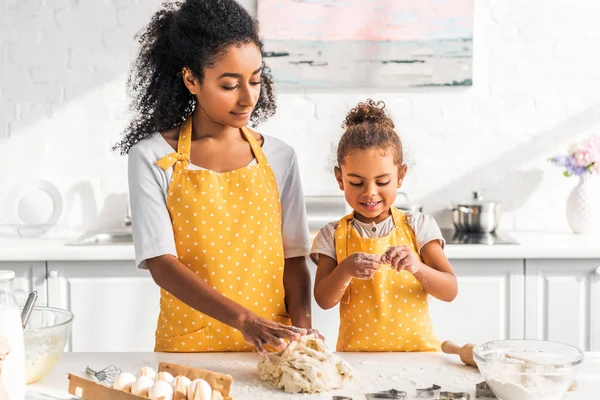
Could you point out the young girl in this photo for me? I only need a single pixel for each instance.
(379, 263)
(217, 209)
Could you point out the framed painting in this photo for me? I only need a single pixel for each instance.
(368, 43)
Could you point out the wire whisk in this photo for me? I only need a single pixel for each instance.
(106, 376)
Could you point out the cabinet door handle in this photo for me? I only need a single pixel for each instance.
(54, 295)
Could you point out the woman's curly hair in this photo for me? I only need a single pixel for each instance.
(192, 34)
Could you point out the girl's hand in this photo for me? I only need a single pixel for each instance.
(361, 265)
(259, 332)
(400, 258)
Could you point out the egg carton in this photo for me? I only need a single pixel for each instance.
(91, 390)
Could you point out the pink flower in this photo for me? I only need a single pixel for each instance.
(586, 153)
(582, 158)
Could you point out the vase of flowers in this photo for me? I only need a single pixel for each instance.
(583, 204)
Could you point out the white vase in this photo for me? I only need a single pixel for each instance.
(583, 206)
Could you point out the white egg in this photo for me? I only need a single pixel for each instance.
(147, 371)
(164, 376)
(161, 389)
(180, 386)
(181, 378)
(203, 387)
(142, 386)
(124, 381)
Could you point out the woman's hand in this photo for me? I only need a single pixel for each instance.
(361, 265)
(316, 333)
(400, 258)
(259, 332)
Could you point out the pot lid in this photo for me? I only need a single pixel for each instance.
(477, 200)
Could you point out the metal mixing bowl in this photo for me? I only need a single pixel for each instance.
(528, 369)
(45, 339)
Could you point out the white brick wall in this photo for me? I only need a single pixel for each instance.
(536, 89)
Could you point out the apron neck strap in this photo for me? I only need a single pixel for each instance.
(398, 217)
(255, 146)
(184, 143)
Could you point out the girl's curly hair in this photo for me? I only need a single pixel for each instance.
(192, 34)
(367, 126)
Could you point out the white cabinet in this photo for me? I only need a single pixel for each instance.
(326, 321)
(29, 276)
(489, 306)
(115, 304)
(563, 301)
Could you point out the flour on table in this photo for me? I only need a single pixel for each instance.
(305, 366)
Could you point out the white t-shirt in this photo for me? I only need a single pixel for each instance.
(424, 227)
(148, 186)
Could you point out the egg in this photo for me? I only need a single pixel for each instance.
(180, 385)
(124, 381)
(161, 390)
(164, 376)
(147, 371)
(199, 389)
(142, 386)
(181, 378)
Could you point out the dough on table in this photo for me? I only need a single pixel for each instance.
(305, 366)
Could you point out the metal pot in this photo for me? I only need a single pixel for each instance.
(405, 205)
(477, 215)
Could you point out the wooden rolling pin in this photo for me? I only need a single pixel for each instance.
(465, 352)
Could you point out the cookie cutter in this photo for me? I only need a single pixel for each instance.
(430, 392)
(483, 390)
(454, 396)
(387, 394)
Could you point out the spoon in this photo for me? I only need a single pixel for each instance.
(28, 307)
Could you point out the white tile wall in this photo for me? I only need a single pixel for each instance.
(536, 88)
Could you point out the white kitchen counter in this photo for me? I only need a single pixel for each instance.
(531, 245)
(26, 249)
(374, 372)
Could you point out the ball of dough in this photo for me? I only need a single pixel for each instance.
(164, 376)
(124, 381)
(305, 366)
(147, 371)
(199, 389)
(142, 386)
(161, 389)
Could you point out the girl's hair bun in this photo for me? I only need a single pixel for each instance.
(369, 112)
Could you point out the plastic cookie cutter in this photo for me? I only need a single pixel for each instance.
(430, 392)
(483, 390)
(387, 394)
(454, 396)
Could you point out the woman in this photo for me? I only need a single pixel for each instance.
(217, 209)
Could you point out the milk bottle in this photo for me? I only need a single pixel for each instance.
(12, 368)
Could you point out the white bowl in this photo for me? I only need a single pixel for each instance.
(45, 338)
(528, 369)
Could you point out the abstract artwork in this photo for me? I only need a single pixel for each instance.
(368, 43)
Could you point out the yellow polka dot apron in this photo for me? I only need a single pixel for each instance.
(227, 230)
(389, 312)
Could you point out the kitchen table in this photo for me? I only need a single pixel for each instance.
(373, 372)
